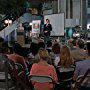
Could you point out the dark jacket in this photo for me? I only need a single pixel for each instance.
(47, 28)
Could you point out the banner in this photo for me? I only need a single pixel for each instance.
(36, 26)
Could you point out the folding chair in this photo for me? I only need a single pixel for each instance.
(5, 79)
(64, 78)
(83, 82)
(18, 75)
(41, 79)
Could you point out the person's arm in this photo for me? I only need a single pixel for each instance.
(76, 72)
(21, 60)
(54, 74)
(33, 69)
(33, 72)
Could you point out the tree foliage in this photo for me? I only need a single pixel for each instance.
(12, 6)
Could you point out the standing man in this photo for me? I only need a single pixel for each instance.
(47, 28)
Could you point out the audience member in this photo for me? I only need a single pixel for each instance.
(49, 46)
(79, 53)
(66, 60)
(16, 56)
(82, 66)
(56, 51)
(33, 50)
(65, 71)
(41, 45)
(32, 56)
(43, 68)
(3, 54)
(5, 48)
(72, 44)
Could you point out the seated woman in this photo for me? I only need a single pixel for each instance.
(65, 71)
(43, 68)
(65, 57)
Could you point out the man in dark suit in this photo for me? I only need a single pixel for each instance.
(47, 28)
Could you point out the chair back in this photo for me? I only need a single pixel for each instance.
(17, 74)
(65, 75)
(64, 78)
(83, 81)
(4, 76)
(41, 78)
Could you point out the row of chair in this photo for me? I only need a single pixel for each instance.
(20, 81)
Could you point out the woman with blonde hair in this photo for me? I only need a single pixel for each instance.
(65, 57)
(43, 68)
(65, 71)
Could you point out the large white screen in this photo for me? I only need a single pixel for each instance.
(57, 22)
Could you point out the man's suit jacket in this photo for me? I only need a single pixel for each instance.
(47, 28)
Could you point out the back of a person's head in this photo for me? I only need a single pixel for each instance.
(5, 47)
(70, 41)
(88, 48)
(17, 48)
(49, 43)
(74, 42)
(34, 48)
(80, 43)
(41, 45)
(43, 54)
(65, 56)
(56, 48)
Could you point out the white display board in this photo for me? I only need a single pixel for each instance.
(36, 26)
(71, 22)
(57, 22)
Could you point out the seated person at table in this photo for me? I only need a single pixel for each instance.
(43, 68)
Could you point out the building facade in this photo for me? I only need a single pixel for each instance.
(75, 11)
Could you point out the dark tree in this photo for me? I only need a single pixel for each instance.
(12, 7)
